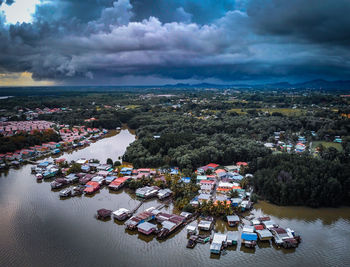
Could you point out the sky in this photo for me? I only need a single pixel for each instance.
(155, 42)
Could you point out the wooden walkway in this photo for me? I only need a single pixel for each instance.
(159, 207)
(133, 211)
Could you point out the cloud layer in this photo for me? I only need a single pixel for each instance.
(106, 42)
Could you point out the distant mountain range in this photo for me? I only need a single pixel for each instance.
(314, 84)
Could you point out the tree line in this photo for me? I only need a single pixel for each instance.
(292, 179)
(25, 140)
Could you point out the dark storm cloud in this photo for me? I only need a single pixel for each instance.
(325, 21)
(8, 2)
(85, 10)
(203, 11)
(103, 41)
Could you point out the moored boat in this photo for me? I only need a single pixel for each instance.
(65, 192)
(78, 190)
(192, 241)
(39, 176)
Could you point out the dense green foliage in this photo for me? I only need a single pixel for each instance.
(290, 179)
(200, 149)
(104, 119)
(74, 168)
(25, 140)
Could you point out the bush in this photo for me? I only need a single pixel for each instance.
(117, 163)
(254, 198)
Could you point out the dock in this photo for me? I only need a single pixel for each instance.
(133, 211)
(159, 207)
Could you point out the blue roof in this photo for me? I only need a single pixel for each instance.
(249, 236)
(110, 178)
(235, 176)
(186, 179)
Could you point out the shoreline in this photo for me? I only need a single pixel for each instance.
(34, 160)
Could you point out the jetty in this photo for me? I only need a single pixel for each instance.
(133, 211)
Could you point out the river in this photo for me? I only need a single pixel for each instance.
(37, 228)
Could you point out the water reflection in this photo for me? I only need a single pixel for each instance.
(247, 250)
(328, 216)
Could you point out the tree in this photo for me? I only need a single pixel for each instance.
(74, 168)
(234, 194)
(117, 163)
(254, 198)
(109, 161)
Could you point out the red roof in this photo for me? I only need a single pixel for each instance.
(91, 186)
(119, 180)
(213, 165)
(259, 227)
(223, 189)
(144, 170)
(228, 202)
(207, 182)
(242, 163)
(92, 183)
(228, 189)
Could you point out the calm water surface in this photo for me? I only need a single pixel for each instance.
(39, 229)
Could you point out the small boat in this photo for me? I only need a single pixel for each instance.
(192, 241)
(163, 233)
(203, 239)
(39, 176)
(296, 237)
(78, 190)
(65, 192)
(15, 163)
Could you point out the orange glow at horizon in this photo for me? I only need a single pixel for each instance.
(21, 79)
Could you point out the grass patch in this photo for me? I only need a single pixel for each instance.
(132, 106)
(327, 145)
(285, 111)
(237, 110)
